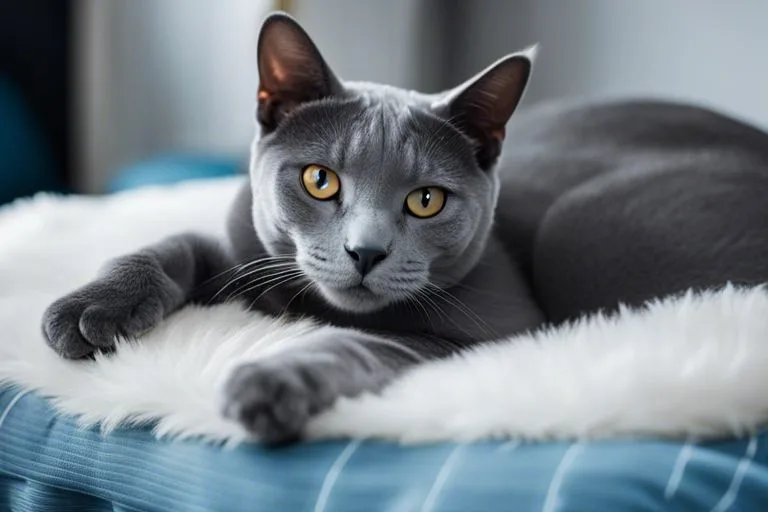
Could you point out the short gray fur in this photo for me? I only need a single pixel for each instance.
(590, 206)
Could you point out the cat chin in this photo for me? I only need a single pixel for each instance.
(353, 300)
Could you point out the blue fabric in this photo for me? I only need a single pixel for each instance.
(25, 160)
(164, 170)
(48, 464)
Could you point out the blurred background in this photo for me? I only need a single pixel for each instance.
(103, 95)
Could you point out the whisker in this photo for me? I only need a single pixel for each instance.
(429, 302)
(422, 308)
(237, 275)
(273, 266)
(466, 310)
(444, 314)
(285, 280)
(297, 294)
(233, 268)
(262, 281)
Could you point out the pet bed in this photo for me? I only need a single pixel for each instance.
(49, 463)
(148, 445)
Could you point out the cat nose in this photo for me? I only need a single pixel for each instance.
(366, 257)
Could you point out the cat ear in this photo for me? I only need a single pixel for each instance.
(291, 70)
(481, 106)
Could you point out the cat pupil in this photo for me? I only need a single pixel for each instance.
(426, 197)
(321, 179)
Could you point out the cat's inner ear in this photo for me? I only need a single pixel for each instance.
(291, 70)
(482, 106)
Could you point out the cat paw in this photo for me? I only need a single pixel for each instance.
(275, 400)
(125, 303)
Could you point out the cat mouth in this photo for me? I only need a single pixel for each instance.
(360, 291)
(360, 288)
(357, 298)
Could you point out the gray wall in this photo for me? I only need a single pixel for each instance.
(180, 75)
(708, 51)
(161, 76)
(397, 42)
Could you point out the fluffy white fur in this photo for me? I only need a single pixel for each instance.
(690, 366)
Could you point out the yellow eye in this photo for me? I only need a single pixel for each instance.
(320, 182)
(425, 202)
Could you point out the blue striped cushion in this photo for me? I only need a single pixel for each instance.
(48, 464)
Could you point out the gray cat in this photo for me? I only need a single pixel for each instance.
(384, 212)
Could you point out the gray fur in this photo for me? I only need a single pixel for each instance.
(277, 396)
(635, 200)
(592, 205)
(132, 295)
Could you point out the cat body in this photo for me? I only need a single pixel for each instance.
(631, 201)
(385, 214)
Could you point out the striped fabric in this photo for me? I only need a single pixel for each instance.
(48, 464)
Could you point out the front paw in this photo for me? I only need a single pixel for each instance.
(127, 302)
(274, 400)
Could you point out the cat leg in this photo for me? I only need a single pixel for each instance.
(275, 397)
(132, 294)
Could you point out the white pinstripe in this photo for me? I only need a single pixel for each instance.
(551, 500)
(333, 475)
(509, 446)
(440, 479)
(678, 470)
(738, 477)
(10, 405)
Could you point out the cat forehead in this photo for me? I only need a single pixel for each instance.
(378, 124)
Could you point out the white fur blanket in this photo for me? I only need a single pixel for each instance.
(691, 366)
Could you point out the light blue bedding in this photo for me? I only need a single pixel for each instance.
(48, 464)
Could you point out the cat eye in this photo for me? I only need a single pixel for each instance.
(320, 182)
(425, 202)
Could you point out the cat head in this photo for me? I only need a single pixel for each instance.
(378, 192)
